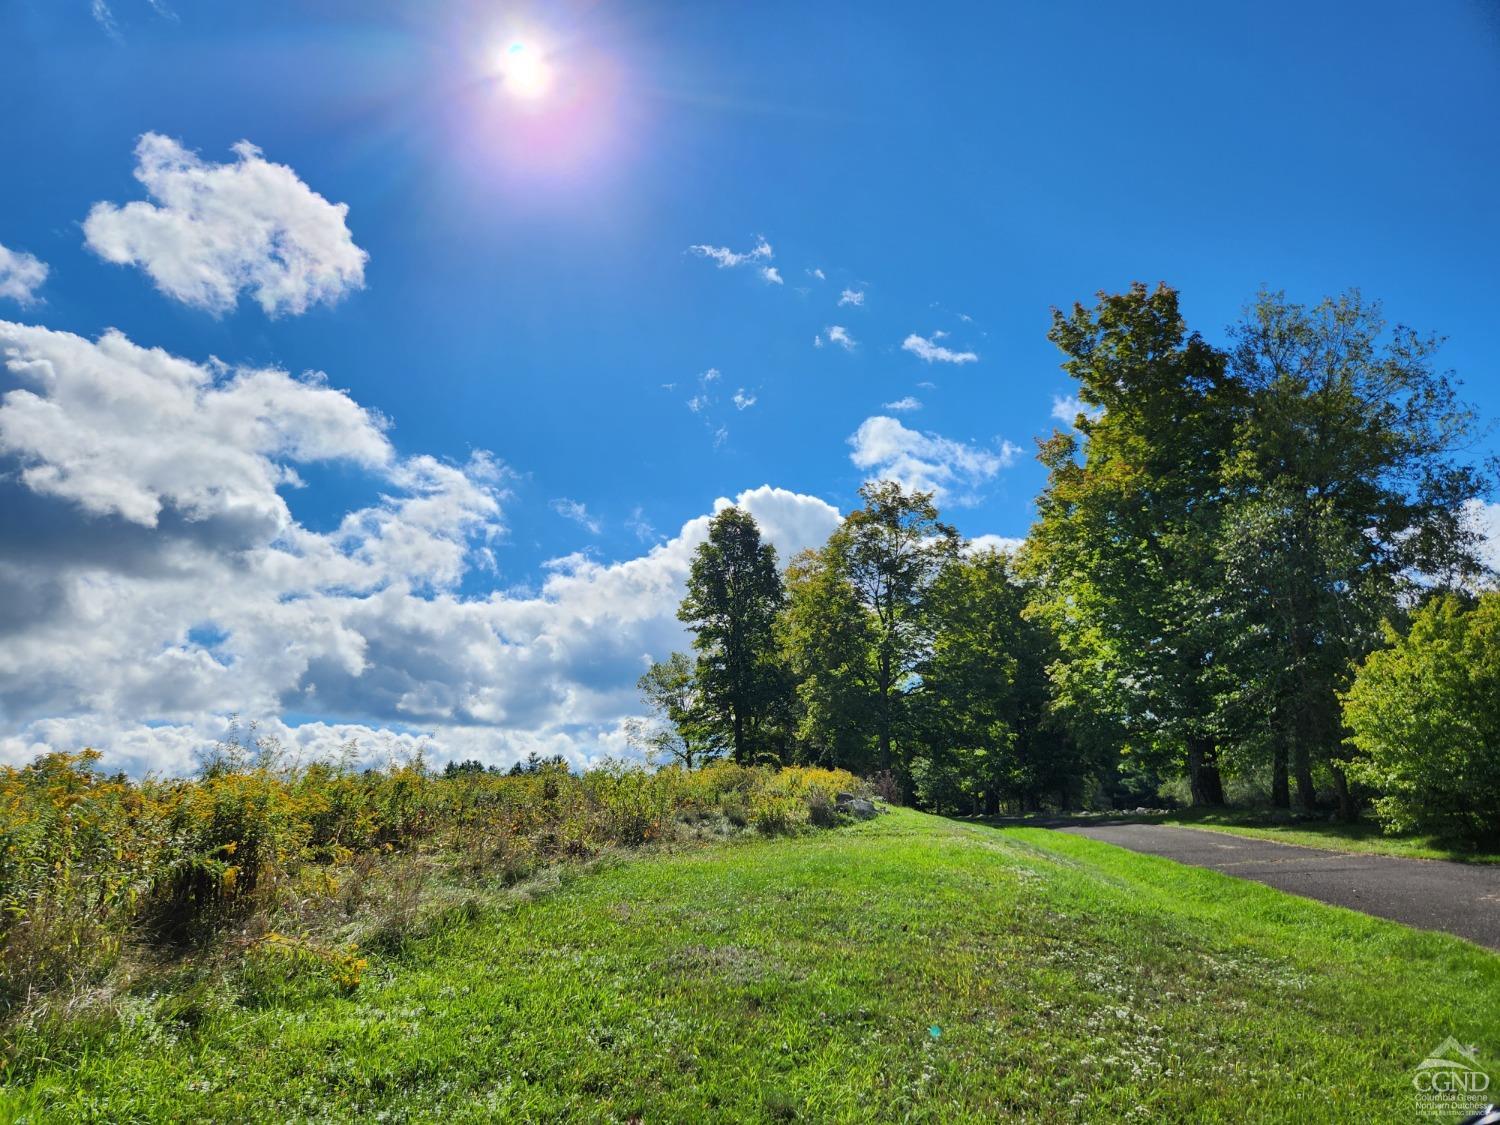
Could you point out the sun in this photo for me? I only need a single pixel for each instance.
(524, 71)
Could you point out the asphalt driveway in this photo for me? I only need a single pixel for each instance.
(1457, 898)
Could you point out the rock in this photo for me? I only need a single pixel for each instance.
(857, 807)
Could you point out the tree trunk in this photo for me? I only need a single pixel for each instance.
(992, 801)
(739, 737)
(1307, 796)
(1281, 794)
(1348, 808)
(1203, 771)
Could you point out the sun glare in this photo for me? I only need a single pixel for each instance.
(524, 71)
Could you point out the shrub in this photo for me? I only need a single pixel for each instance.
(776, 814)
(1424, 715)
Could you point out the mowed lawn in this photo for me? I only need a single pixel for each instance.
(911, 969)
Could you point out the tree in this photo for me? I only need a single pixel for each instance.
(1425, 716)
(889, 552)
(827, 644)
(963, 707)
(1123, 553)
(1347, 490)
(675, 730)
(981, 707)
(734, 593)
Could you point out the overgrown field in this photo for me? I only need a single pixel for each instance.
(909, 968)
(259, 868)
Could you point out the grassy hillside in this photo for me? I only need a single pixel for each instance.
(909, 968)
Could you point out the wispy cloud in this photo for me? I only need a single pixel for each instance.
(904, 404)
(105, 18)
(639, 526)
(706, 403)
(729, 259)
(855, 297)
(578, 512)
(817, 273)
(928, 350)
(835, 334)
(759, 255)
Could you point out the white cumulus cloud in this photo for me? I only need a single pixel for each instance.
(214, 231)
(1005, 544)
(853, 297)
(952, 470)
(124, 430)
(21, 275)
(904, 404)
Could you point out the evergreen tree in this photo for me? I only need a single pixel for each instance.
(734, 593)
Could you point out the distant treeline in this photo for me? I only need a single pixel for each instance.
(1254, 571)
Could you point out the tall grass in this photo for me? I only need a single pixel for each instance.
(276, 863)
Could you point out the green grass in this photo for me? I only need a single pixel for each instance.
(1362, 836)
(907, 969)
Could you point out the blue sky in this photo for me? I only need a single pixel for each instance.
(529, 288)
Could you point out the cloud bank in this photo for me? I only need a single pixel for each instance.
(155, 580)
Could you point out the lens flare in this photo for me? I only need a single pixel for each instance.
(524, 71)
